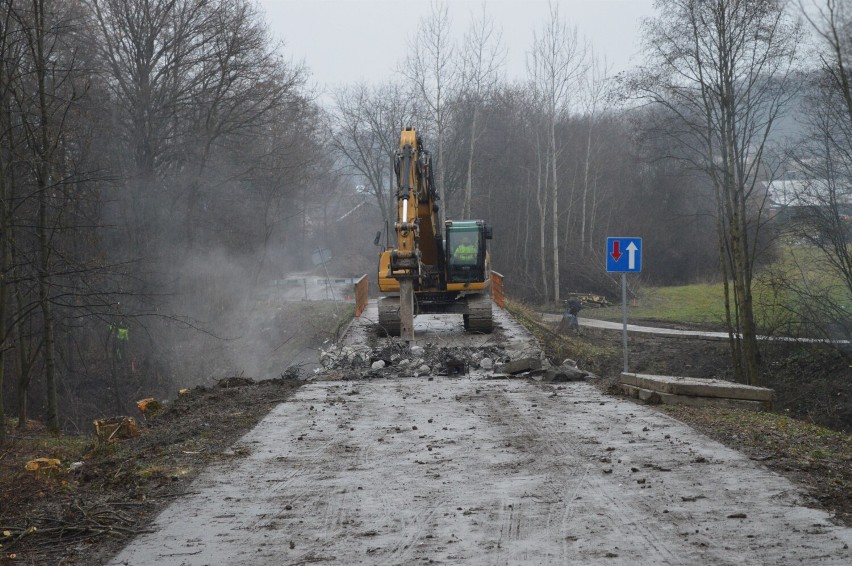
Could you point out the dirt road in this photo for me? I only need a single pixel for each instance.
(468, 470)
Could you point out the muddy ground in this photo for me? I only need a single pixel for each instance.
(85, 516)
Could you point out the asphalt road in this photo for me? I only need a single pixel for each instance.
(640, 329)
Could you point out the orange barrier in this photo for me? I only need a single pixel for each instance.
(497, 289)
(361, 294)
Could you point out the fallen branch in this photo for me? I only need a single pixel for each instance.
(43, 532)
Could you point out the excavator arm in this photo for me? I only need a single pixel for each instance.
(418, 266)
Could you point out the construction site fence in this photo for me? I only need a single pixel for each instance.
(361, 294)
(497, 289)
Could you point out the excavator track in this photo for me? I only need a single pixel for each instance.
(479, 316)
(389, 318)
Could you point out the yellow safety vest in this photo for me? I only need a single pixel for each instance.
(465, 253)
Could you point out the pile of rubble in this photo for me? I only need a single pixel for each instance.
(400, 360)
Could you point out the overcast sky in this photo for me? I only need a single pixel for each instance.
(346, 41)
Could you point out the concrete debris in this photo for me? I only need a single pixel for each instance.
(499, 376)
(345, 357)
(565, 372)
(520, 366)
(454, 366)
(490, 361)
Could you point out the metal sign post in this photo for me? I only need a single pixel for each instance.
(624, 317)
(624, 255)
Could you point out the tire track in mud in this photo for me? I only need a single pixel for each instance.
(403, 551)
(280, 486)
(631, 519)
(569, 479)
(342, 451)
(414, 520)
(460, 471)
(618, 512)
(535, 431)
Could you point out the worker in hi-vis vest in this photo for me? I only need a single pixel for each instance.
(465, 252)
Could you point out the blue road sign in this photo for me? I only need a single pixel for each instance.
(624, 255)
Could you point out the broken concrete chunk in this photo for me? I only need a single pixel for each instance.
(565, 373)
(520, 366)
(498, 376)
(378, 364)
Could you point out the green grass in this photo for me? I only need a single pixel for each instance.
(781, 293)
(808, 270)
(695, 304)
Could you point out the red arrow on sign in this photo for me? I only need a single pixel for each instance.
(616, 252)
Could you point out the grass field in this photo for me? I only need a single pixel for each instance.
(696, 304)
(784, 294)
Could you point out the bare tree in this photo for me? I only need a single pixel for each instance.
(10, 54)
(153, 53)
(819, 199)
(242, 81)
(555, 64)
(168, 120)
(367, 122)
(595, 90)
(482, 58)
(722, 69)
(429, 65)
(48, 88)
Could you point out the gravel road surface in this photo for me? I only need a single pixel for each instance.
(470, 470)
(484, 472)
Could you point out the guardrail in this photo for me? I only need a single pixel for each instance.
(497, 289)
(361, 294)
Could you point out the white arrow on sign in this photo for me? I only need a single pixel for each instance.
(631, 257)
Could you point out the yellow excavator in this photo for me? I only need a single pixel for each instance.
(429, 272)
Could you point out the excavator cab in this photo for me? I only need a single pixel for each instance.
(466, 251)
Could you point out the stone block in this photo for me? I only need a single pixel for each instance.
(520, 366)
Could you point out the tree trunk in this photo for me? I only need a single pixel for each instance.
(25, 357)
(5, 263)
(541, 189)
(4, 294)
(555, 216)
(441, 194)
(47, 322)
(526, 240)
(468, 188)
(43, 179)
(585, 196)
